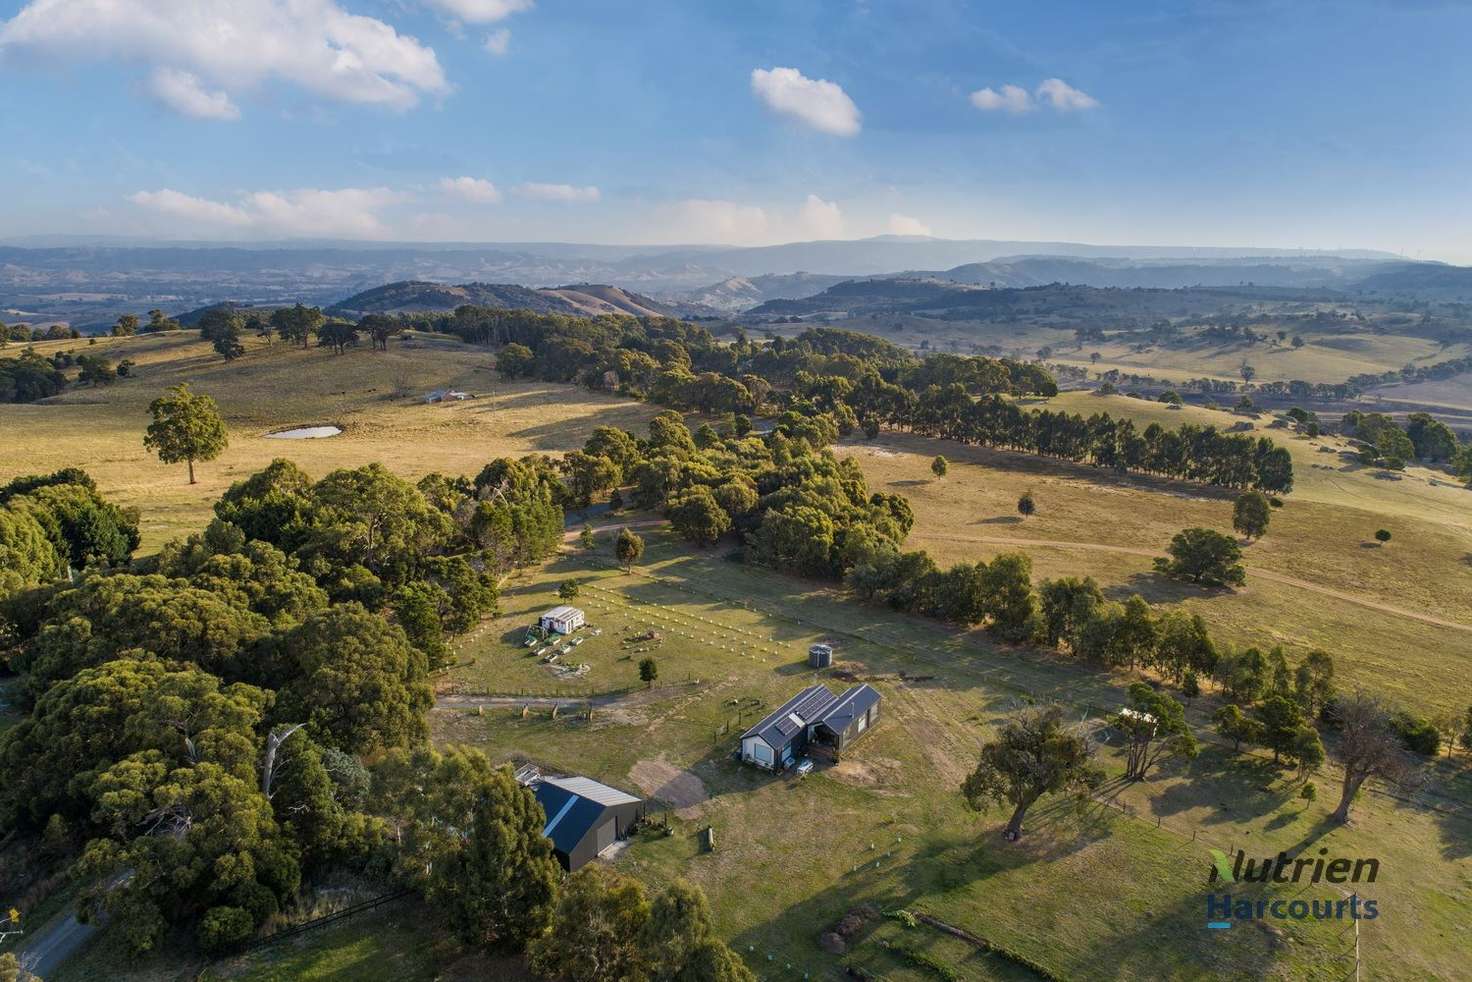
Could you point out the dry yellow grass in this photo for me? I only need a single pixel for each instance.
(1326, 357)
(1323, 535)
(375, 397)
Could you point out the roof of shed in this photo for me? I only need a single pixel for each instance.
(588, 788)
(848, 707)
(788, 719)
(574, 805)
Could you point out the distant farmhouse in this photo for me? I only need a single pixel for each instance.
(813, 717)
(562, 620)
(584, 818)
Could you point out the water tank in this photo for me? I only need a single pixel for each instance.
(820, 656)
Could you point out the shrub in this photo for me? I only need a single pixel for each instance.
(223, 928)
(1419, 735)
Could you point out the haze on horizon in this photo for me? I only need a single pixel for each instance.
(1249, 123)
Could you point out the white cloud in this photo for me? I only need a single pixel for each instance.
(715, 220)
(1012, 99)
(481, 11)
(236, 45)
(182, 92)
(1053, 92)
(194, 210)
(905, 225)
(498, 42)
(1064, 97)
(819, 103)
(566, 193)
(476, 189)
(820, 219)
(345, 212)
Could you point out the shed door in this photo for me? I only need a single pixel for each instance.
(605, 834)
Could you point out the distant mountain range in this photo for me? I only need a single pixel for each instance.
(943, 299)
(89, 283)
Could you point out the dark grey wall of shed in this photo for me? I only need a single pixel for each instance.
(852, 730)
(615, 818)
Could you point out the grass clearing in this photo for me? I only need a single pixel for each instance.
(376, 397)
(1088, 893)
(1323, 535)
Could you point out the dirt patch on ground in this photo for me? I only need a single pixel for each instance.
(874, 772)
(660, 779)
(619, 714)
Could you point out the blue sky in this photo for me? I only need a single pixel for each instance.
(1221, 122)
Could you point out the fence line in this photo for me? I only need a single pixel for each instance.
(325, 920)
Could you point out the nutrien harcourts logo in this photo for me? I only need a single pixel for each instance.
(1222, 910)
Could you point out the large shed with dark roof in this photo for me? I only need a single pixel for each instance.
(814, 715)
(584, 817)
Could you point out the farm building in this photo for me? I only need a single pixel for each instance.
(584, 817)
(562, 620)
(813, 717)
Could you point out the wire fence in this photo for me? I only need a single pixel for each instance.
(320, 922)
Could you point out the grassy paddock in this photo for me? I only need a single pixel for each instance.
(1089, 893)
(376, 397)
(1323, 535)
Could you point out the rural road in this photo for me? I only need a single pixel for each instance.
(59, 939)
(1292, 581)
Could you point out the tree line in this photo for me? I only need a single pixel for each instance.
(863, 383)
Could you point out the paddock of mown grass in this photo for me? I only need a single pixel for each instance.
(376, 397)
(1088, 893)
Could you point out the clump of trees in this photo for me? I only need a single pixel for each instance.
(1203, 556)
(198, 722)
(29, 377)
(606, 926)
(53, 523)
(1384, 443)
(222, 326)
(862, 383)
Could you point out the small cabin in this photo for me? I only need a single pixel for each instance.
(562, 620)
(815, 716)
